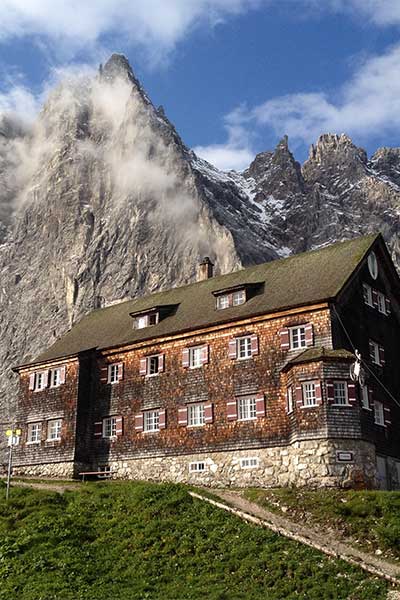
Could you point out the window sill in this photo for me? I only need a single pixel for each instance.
(247, 419)
(191, 367)
(34, 443)
(347, 405)
(366, 408)
(55, 441)
(244, 357)
(380, 424)
(310, 406)
(151, 431)
(152, 374)
(199, 425)
(52, 387)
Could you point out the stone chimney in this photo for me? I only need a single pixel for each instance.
(205, 270)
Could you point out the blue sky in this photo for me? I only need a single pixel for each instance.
(232, 75)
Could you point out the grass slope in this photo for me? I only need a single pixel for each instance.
(125, 540)
(370, 519)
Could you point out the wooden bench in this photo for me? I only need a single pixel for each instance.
(99, 474)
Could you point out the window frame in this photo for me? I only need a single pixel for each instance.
(289, 399)
(343, 383)
(304, 390)
(155, 413)
(50, 424)
(113, 369)
(29, 439)
(376, 359)
(195, 351)
(367, 295)
(381, 303)
(223, 302)
(42, 376)
(231, 299)
(109, 423)
(303, 335)
(365, 401)
(241, 294)
(248, 459)
(196, 414)
(149, 359)
(247, 340)
(193, 466)
(52, 374)
(247, 408)
(380, 413)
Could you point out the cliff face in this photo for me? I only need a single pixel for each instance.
(101, 201)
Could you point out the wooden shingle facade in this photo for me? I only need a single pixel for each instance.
(242, 379)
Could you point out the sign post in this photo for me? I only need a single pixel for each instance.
(13, 436)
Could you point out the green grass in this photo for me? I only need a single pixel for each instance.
(125, 540)
(370, 519)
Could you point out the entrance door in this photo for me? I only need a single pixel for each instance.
(382, 472)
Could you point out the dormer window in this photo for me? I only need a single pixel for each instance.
(233, 299)
(146, 320)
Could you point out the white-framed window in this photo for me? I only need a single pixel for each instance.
(374, 352)
(110, 427)
(365, 397)
(249, 463)
(309, 395)
(55, 377)
(379, 416)
(297, 337)
(232, 299)
(223, 302)
(153, 364)
(197, 467)
(367, 294)
(115, 372)
(243, 347)
(195, 356)
(41, 380)
(54, 430)
(238, 297)
(151, 420)
(146, 320)
(34, 433)
(340, 392)
(289, 400)
(196, 416)
(247, 408)
(381, 303)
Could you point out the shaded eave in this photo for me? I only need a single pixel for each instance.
(38, 363)
(321, 354)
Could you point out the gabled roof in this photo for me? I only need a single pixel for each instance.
(299, 280)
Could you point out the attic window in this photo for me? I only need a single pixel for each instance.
(373, 265)
(233, 299)
(146, 320)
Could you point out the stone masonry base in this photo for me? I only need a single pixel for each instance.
(305, 463)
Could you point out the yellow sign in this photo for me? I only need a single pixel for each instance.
(9, 432)
(18, 432)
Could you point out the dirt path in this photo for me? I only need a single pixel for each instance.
(53, 487)
(322, 541)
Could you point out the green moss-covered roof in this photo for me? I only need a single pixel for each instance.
(299, 280)
(316, 354)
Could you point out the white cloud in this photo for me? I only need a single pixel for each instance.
(367, 105)
(380, 12)
(155, 25)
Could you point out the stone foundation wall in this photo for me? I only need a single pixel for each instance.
(303, 463)
(62, 470)
(306, 463)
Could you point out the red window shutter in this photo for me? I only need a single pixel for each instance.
(231, 410)
(254, 344)
(208, 413)
(309, 332)
(120, 371)
(318, 393)
(330, 392)
(375, 298)
(185, 358)
(386, 416)
(139, 422)
(32, 377)
(161, 363)
(119, 425)
(104, 374)
(260, 405)
(232, 348)
(98, 429)
(63, 371)
(204, 355)
(351, 393)
(162, 418)
(299, 395)
(143, 366)
(182, 416)
(388, 308)
(285, 339)
(382, 355)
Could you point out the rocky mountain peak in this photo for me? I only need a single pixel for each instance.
(386, 161)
